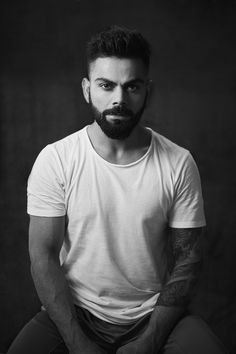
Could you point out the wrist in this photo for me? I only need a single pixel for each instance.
(163, 319)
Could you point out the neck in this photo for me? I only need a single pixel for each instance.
(120, 151)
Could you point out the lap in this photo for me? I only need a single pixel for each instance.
(191, 335)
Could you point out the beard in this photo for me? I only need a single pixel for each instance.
(120, 129)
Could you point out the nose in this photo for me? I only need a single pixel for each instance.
(119, 97)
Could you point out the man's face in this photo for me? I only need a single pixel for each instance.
(117, 93)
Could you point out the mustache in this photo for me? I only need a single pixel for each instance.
(119, 111)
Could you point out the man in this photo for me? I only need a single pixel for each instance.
(116, 218)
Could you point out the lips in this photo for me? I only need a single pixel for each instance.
(119, 112)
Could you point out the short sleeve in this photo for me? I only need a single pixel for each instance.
(187, 210)
(46, 185)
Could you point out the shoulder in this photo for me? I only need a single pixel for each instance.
(68, 144)
(170, 152)
(61, 151)
(57, 159)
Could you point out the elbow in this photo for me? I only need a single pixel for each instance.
(37, 265)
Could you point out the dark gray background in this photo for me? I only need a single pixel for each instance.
(193, 67)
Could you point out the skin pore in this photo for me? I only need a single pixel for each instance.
(117, 91)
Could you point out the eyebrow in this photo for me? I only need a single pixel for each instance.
(133, 81)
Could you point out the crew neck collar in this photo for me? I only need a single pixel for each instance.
(114, 164)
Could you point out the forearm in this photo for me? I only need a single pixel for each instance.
(171, 306)
(176, 294)
(163, 319)
(54, 294)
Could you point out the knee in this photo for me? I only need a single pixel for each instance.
(193, 335)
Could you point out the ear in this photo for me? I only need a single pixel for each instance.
(150, 89)
(86, 88)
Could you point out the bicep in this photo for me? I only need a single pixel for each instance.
(46, 235)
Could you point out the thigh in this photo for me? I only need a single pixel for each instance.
(39, 336)
(193, 336)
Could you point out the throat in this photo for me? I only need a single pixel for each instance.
(124, 153)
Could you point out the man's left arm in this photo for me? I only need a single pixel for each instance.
(186, 247)
(176, 294)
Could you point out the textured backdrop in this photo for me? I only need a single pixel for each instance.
(193, 67)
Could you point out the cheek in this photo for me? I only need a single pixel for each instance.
(138, 102)
(99, 99)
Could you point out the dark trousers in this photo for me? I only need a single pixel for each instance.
(191, 335)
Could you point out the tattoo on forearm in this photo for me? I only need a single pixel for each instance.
(187, 251)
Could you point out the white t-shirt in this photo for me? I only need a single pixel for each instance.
(113, 253)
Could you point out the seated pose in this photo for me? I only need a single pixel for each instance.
(116, 220)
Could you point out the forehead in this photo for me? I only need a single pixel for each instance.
(117, 69)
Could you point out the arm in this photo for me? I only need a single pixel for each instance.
(46, 236)
(186, 247)
(175, 296)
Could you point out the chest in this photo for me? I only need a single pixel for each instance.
(108, 191)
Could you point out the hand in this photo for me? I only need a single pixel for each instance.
(145, 344)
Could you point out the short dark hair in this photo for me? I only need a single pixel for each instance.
(118, 42)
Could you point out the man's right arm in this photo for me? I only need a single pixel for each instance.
(46, 236)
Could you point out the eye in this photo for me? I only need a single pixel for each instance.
(132, 88)
(105, 86)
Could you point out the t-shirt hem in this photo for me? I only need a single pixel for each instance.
(184, 224)
(46, 214)
(117, 320)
